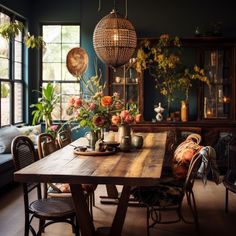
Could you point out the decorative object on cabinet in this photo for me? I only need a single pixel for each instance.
(159, 110)
(114, 39)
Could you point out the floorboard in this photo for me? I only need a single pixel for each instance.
(209, 198)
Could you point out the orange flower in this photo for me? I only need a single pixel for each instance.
(138, 118)
(106, 101)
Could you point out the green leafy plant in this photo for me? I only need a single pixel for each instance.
(32, 41)
(44, 108)
(164, 63)
(10, 30)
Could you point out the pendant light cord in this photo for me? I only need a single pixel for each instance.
(99, 5)
(126, 9)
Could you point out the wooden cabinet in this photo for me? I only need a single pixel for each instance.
(218, 57)
(128, 83)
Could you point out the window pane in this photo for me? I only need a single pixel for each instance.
(18, 71)
(19, 36)
(18, 51)
(18, 99)
(4, 68)
(4, 48)
(5, 103)
(51, 71)
(60, 39)
(66, 75)
(52, 53)
(71, 34)
(52, 33)
(65, 49)
(4, 18)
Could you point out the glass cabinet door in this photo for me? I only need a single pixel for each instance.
(126, 81)
(217, 96)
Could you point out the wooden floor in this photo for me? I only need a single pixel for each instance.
(210, 202)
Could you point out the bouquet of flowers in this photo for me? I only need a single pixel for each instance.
(95, 109)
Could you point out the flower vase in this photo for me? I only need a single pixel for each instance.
(184, 111)
(93, 139)
(123, 130)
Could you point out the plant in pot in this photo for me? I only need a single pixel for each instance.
(185, 83)
(162, 59)
(45, 106)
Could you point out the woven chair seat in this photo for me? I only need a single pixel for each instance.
(53, 208)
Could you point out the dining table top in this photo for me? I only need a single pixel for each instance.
(136, 167)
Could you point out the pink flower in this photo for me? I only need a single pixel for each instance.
(92, 106)
(53, 128)
(124, 113)
(129, 119)
(78, 102)
(118, 105)
(71, 101)
(116, 120)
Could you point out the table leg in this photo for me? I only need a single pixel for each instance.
(121, 210)
(82, 212)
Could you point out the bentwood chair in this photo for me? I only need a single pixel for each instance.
(48, 211)
(168, 196)
(47, 145)
(229, 180)
(64, 138)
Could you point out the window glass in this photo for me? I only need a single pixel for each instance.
(60, 39)
(11, 76)
(18, 102)
(5, 103)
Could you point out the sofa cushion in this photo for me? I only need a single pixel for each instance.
(7, 134)
(6, 162)
(31, 132)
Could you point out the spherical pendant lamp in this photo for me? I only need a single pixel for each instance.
(114, 39)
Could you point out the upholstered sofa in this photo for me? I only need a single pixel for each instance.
(7, 134)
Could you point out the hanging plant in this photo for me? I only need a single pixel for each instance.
(11, 29)
(32, 41)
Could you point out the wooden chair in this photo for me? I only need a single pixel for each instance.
(64, 138)
(48, 211)
(47, 145)
(169, 195)
(230, 177)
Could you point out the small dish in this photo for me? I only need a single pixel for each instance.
(82, 149)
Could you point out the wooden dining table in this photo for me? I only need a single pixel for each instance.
(140, 167)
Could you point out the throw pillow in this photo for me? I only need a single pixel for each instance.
(184, 154)
(31, 132)
(7, 134)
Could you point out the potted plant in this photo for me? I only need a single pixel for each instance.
(164, 63)
(45, 106)
(162, 60)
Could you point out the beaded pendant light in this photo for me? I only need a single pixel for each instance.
(114, 39)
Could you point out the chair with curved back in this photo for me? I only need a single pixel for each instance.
(229, 180)
(64, 138)
(168, 195)
(48, 211)
(47, 145)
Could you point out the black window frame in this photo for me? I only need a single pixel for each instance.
(11, 73)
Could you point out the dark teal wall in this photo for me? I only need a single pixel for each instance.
(150, 18)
